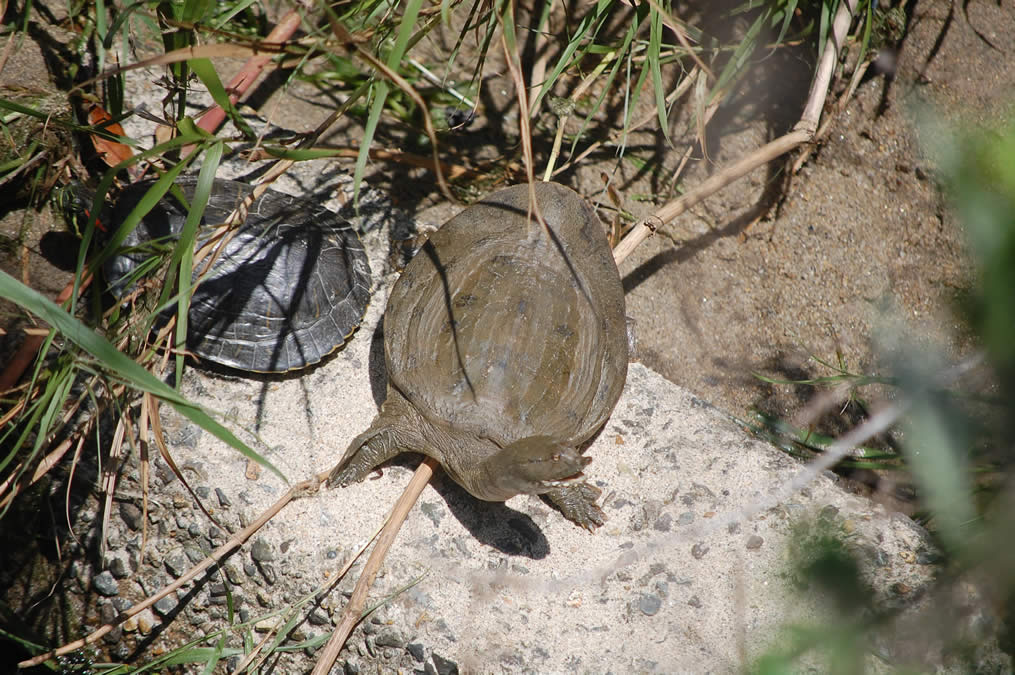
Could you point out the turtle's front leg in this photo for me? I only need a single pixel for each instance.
(366, 452)
(394, 430)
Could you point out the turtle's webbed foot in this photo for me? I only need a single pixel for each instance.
(577, 502)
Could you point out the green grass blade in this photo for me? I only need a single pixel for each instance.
(652, 59)
(205, 72)
(183, 255)
(582, 30)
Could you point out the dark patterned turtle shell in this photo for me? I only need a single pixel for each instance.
(290, 287)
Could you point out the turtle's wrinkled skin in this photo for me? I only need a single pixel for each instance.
(289, 288)
(505, 350)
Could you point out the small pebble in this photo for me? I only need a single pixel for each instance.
(901, 588)
(319, 618)
(268, 572)
(131, 515)
(754, 542)
(699, 550)
(105, 584)
(695, 602)
(223, 498)
(417, 651)
(233, 574)
(145, 622)
(261, 551)
(391, 637)
(649, 604)
(443, 666)
(265, 625)
(118, 567)
(166, 605)
(176, 564)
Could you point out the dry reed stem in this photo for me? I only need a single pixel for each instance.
(353, 610)
(802, 133)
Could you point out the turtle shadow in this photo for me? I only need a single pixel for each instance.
(494, 524)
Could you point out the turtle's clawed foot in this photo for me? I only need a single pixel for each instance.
(578, 504)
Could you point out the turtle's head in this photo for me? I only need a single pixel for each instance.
(531, 465)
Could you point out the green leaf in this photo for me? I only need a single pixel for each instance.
(652, 57)
(183, 255)
(205, 72)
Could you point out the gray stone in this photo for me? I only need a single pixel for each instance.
(131, 515)
(118, 567)
(260, 551)
(166, 605)
(222, 497)
(649, 604)
(391, 637)
(443, 666)
(177, 564)
(319, 618)
(417, 651)
(233, 574)
(105, 584)
(754, 542)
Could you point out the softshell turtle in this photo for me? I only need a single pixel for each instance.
(289, 288)
(506, 350)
